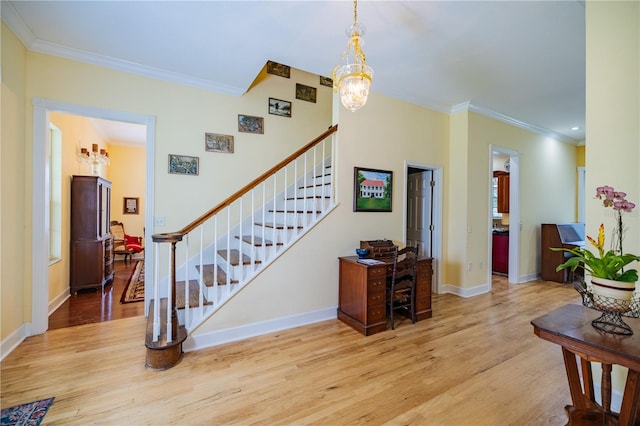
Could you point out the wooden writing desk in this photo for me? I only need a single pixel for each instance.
(362, 294)
(570, 327)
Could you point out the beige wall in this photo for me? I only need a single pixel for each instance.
(613, 108)
(612, 111)
(15, 305)
(127, 176)
(544, 163)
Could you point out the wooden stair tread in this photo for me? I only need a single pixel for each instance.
(257, 241)
(234, 258)
(207, 275)
(318, 185)
(194, 294)
(277, 225)
(308, 197)
(296, 211)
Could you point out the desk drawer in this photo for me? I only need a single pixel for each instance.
(376, 314)
(376, 272)
(376, 285)
(375, 298)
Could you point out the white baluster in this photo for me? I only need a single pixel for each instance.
(156, 293)
(169, 300)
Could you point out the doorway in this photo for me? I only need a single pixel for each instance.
(41, 189)
(423, 213)
(504, 221)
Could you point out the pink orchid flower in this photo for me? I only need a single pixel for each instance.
(624, 205)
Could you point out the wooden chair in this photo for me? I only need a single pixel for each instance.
(401, 294)
(123, 244)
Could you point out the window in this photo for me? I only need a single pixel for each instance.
(494, 199)
(54, 166)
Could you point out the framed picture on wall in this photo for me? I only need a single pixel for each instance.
(279, 107)
(183, 165)
(372, 190)
(214, 142)
(278, 69)
(250, 124)
(306, 93)
(131, 205)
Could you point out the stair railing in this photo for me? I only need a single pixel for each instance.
(278, 192)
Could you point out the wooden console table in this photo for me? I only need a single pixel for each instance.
(362, 294)
(570, 327)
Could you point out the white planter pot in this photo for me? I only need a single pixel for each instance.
(612, 295)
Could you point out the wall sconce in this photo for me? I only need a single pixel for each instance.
(94, 157)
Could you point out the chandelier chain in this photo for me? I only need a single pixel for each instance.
(355, 11)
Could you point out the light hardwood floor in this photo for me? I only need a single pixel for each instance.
(476, 362)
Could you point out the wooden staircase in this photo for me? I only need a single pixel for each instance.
(285, 203)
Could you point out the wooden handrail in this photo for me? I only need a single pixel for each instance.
(199, 221)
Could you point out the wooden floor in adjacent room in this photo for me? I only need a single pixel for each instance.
(476, 362)
(95, 305)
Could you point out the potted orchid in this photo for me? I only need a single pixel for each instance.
(609, 278)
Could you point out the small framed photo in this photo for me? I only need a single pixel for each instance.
(326, 81)
(278, 69)
(214, 142)
(131, 205)
(279, 107)
(306, 93)
(183, 165)
(250, 124)
(372, 190)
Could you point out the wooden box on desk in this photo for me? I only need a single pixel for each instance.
(379, 249)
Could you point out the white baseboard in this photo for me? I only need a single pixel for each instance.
(529, 277)
(59, 300)
(242, 332)
(14, 339)
(465, 291)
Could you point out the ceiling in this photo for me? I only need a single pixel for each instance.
(520, 61)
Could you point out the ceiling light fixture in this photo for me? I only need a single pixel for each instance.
(352, 76)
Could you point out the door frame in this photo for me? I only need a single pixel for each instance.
(40, 196)
(436, 234)
(514, 213)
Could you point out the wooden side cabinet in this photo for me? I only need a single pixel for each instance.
(503, 191)
(91, 242)
(362, 294)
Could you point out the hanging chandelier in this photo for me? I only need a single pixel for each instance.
(352, 76)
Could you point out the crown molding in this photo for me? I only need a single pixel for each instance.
(14, 21)
(468, 106)
(131, 67)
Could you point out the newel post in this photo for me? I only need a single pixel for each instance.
(165, 351)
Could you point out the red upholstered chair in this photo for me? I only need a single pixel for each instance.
(124, 244)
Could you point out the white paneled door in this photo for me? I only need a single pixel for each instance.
(420, 211)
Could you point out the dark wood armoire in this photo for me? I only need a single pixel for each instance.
(91, 241)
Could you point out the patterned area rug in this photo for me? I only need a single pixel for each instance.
(134, 291)
(30, 414)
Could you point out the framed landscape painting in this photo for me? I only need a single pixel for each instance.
(279, 107)
(183, 164)
(372, 190)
